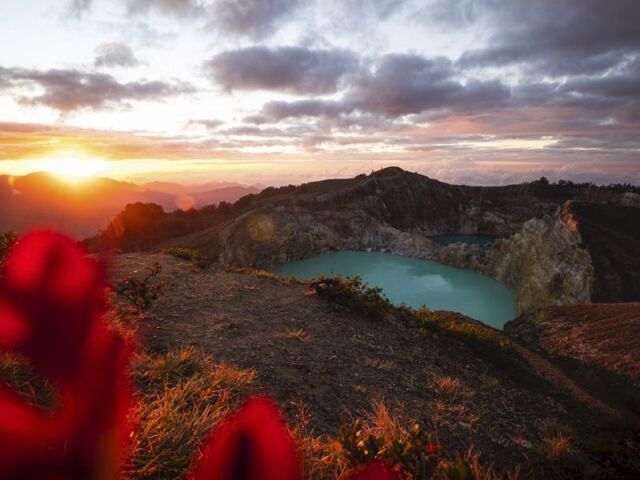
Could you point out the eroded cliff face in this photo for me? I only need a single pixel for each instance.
(545, 261)
(275, 236)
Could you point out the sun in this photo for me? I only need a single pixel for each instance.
(72, 169)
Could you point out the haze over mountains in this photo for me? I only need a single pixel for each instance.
(82, 208)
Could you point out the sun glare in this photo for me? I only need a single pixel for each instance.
(73, 169)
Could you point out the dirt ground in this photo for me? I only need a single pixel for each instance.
(336, 364)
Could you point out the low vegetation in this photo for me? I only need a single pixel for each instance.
(182, 395)
(21, 378)
(352, 294)
(263, 274)
(141, 291)
(187, 254)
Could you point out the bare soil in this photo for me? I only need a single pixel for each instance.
(597, 345)
(336, 363)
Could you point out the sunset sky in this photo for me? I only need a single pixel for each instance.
(286, 91)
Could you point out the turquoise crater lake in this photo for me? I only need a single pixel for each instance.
(416, 282)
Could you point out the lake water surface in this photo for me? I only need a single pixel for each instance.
(416, 282)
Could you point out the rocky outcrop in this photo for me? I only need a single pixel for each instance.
(545, 261)
(280, 235)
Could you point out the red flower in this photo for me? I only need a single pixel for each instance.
(432, 448)
(376, 471)
(51, 306)
(254, 444)
(51, 297)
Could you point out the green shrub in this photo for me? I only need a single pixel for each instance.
(352, 294)
(141, 292)
(415, 451)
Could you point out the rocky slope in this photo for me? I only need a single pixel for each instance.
(552, 252)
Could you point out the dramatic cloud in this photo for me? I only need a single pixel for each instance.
(115, 55)
(289, 69)
(278, 111)
(255, 19)
(406, 84)
(69, 90)
(401, 85)
(558, 37)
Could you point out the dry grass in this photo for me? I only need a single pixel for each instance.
(556, 447)
(321, 456)
(183, 394)
(484, 471)
(297, 334)
(263, 274)
(382, 423)
(556, 441)
(20, 377)
(449, 387)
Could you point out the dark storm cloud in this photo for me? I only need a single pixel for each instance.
(69, 90)
(255, 19)
(115, 55)
(288, 69)
(401, 85)
(278, 111)
(558, 37)
(406, 84)
(623, 86)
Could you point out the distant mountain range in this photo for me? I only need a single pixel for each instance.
(82, 209)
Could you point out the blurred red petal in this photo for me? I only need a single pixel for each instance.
(29, 440)
(50, 296)
(254, 444)
(99, 404)
(376, 471)
(51, 306)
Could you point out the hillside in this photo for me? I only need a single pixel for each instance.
(334, 363)
(598, 344)
(85, 207)
(558, 244)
